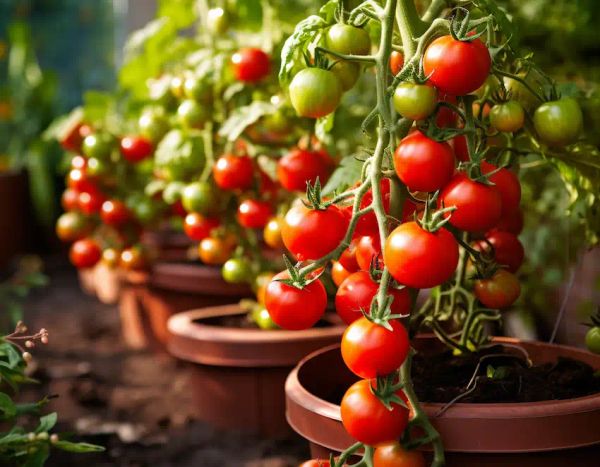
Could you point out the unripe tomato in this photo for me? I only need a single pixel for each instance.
(558, 123)
(198, 197)
(198, 227)
(418, 258)
(312, 233)
(300, 166)
(98, 145)
(85, 253)
(254, 214)
(111, 257)
(293, 308)
(250, 65)
(176, 86)
(347, 73)
(214, 251)
(153, 125)
(197, 90)
(132, 259)
(394, 455)
(456, 67)
(217, 21)
(97, 167)
(234, 172)
(348, 39)
(499, 291)
(396, 62)
(415, 101)
(192, 115)
(136, 148)
(423, 164)
(236, 270)
(72, 226)
(367, 420)
(272, 234)
(262, 318)
(508, 117)
(315, 92)
(339, 273)
(114, 212)
(592, 339)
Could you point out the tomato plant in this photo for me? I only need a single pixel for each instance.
(136, 148)
(300, 166)
(558, 123)
(499, 291)
(415, 101)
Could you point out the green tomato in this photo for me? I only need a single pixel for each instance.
(592, 340)
(262, 318)
(315, 92)
(172, 192)
(347, 39)
(98, 145)
(347, 73)
(217, 21)
(236, 270)
(558, 123)
(191, 114)
(197, 90)
(153, 125)
(519, 92)
(198, 197)
(508, 117)
(415, 101)
(97, 167)
(145, 210)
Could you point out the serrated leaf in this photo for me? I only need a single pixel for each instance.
(346, 175)
(306, 32)
(242, 117)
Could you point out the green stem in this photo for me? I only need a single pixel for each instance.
(410, 25)
(434, 9)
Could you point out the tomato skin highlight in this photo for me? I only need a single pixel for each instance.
(114, 212)
(85, 253)
(499, 291)
(456, 67)
(315, 463)
(339, 273)
(356, 293)
(418, 258)
(234, 172)
(272, 234)
(478, 206)
(367, 420)
(254, 214)
(300, 166)
(394, 455)
(423, 164)
(312, 233)
(370, 350)
(293, 308)
(250, 65)
(315, 92)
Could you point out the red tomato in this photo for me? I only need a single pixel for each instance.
(69, 199)
(254, 214)
(478, 206)
(250, 64)
(90, 203)
(85, 253)
(410, 208)
(339, 273)
(368, 251)
(234, 172)
(396, 62)
(499, 291)
(367, 224)
(348, 257)
(461, 151)
(394, 455)
(423, 164)
(300, 166)
(456, 67)
(312, 233)
(114, 212)
(355, 294)
(315, 463)
(418, 258)
(511, 222)
(79, 181)
(507, 183)
(293, 308)
(198, 227)
(446, 117)
(71, 139)
(366, 419)
(508, 250)
(136, 148)
(177, 209)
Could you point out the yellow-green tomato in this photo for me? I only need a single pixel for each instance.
(236, 270)
(558, 123)
(315, 92)
(347, 73)
(508, 117)
(217, 21)
(592, 340)
(415, 101)
(262, 318)
(348, 39)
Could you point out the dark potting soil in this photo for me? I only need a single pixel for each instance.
(243, 321)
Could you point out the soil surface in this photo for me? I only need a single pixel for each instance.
(134, 403)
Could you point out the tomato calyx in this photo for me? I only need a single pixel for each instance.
(314, 200)
(459, 27)
(434, 219)
(297, 279)
(386, 391)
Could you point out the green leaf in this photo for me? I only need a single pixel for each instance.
(304, 34)
(8, 410)
(180, 155)
(242, 117)
(97, 105)
(346, 175)
(37, 458)
(323, 126)
(47, 422)
(58, 129)
(506, 25)
(181, 12)
(77, 447)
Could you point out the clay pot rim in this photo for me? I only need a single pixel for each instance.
(498, 410)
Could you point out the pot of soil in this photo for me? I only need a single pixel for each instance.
(148, 299)
(240, 370)
(546, 415)
(14, 210)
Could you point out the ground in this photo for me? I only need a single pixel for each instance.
(134, 403)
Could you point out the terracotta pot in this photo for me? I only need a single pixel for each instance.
(239, 374)
(14, 212)
(167, 244)
(87, 281)
(148, 299)
(549, 433)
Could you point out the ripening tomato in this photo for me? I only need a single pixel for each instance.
(315, 92)
(254, 214)
(415, 101)
(72, 226)
(507, 184)
(511, 222)
(355, 294)
(236, 270)
(558, 123)
(234, 172)
(294, 308)
(508, 250)
(423, 164)
(250, 64)
(418, 258)
(592, 339)
(90, 202)
(396, 62)
(312, 233)
(395, 455)
(132, 259)
(368, 252)
(315, 463)
(272, 233)
(478, 206)
(300, 166)
(85, 253)
(367, 420)
(214, 251)
(370, 350)
(69, 199)
(456, 67)
(499, 291)
(339, 273)
(198, 227)
(348, 257)
(114, 212)
(111, 257)
(136, 148)
(508, 116)
(199, 197)
(348, 39)
(98, 145)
